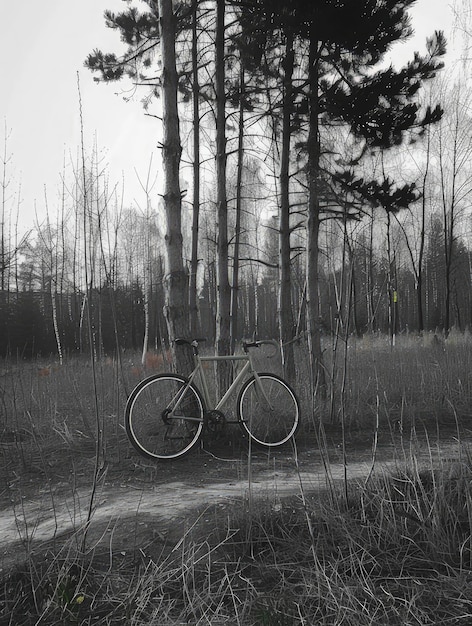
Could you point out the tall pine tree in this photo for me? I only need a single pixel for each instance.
(340, 47)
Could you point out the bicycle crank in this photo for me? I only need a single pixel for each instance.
(215, 422)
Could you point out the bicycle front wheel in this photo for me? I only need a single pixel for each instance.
(268, 410)
(164, 416)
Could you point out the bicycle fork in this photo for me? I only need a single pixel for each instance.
(262, 391)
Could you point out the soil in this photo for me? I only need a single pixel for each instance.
(143, 507)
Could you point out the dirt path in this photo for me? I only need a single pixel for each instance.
(148, 512)
(40, 519)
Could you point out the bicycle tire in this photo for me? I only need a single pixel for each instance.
(150, 425)
(268, 425)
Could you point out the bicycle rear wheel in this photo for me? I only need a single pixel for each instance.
(164, 416)
(268, 410)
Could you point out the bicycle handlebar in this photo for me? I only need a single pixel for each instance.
(262, 342)
(193, 343)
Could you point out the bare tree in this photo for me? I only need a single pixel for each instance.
(454, 151)
(10, 243)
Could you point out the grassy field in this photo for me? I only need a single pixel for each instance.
(391, 549)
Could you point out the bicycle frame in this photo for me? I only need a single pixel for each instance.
(198, 376)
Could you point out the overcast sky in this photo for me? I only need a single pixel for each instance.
(42, 47)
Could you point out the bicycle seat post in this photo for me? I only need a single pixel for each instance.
(194, 345)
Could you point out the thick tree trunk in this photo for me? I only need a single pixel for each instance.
(196, 178)
(176, 278)
(223, 308)
(286, 324)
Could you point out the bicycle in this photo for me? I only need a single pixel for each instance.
(166, 414)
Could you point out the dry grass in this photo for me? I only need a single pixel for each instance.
(397, 552)
(419, 378)
(393, 550)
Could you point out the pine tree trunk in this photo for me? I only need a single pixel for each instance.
(371, 305)
(313, 225)
(196, 178)
(237, 234)
(391, 284)
(286, 324)
(223, 307)
(176, 278)
(419, 277)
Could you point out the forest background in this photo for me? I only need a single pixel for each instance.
(394, 264)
